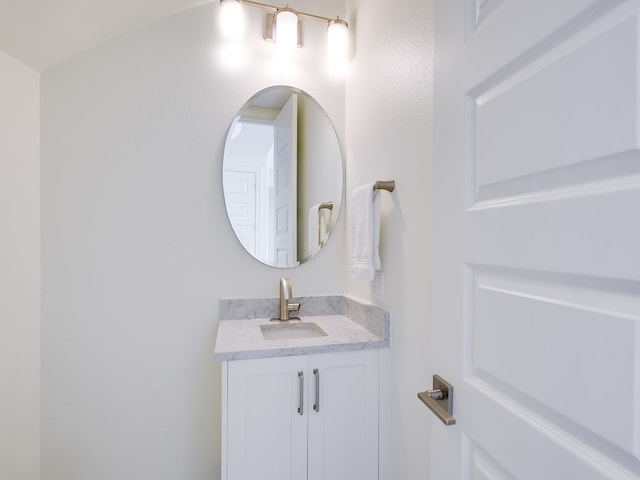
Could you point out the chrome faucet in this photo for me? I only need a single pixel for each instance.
(286, 305)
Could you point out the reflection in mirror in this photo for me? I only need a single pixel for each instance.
(283, 176)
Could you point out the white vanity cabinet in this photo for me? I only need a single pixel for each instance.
(301, 417)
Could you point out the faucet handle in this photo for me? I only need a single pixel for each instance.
(293, 306)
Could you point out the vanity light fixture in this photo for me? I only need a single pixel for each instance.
(284, 26)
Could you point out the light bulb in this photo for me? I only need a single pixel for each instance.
(287, 29)
(231, 19)
(337, 41)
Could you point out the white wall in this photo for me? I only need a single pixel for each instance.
(389, 125)
(137, 249)
(19, 271)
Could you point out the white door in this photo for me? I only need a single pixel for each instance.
(537, 239)
(343, 416)
(286, 172)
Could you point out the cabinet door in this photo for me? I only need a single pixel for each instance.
(343, 428)
(266, 435)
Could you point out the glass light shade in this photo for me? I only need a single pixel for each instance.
(287, 29)
(231, 19)
(337, 41)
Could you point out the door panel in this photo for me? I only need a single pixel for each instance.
(266, 436)
(343, 431)
(537, 291)
(516, 116)
(540, 314)
(240, 198)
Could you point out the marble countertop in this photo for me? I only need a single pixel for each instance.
(242, 339)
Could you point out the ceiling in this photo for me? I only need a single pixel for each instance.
(42, 33)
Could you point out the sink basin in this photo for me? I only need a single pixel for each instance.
(281, 331)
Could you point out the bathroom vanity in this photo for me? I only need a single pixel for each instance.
(302, 403)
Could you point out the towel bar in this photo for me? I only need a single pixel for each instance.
(388, 185)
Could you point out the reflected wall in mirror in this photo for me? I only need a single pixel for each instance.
(283, 176)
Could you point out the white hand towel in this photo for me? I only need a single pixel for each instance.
(364, 232)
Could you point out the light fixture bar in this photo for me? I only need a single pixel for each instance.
(298, 12)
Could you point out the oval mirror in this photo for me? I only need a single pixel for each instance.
(283, 176)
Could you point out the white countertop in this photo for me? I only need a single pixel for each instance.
(242, 339)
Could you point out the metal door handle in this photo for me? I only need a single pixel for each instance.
(316, 407)
(301, 398)
(440, 400)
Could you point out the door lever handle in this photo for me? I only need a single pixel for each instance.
(440, 400)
